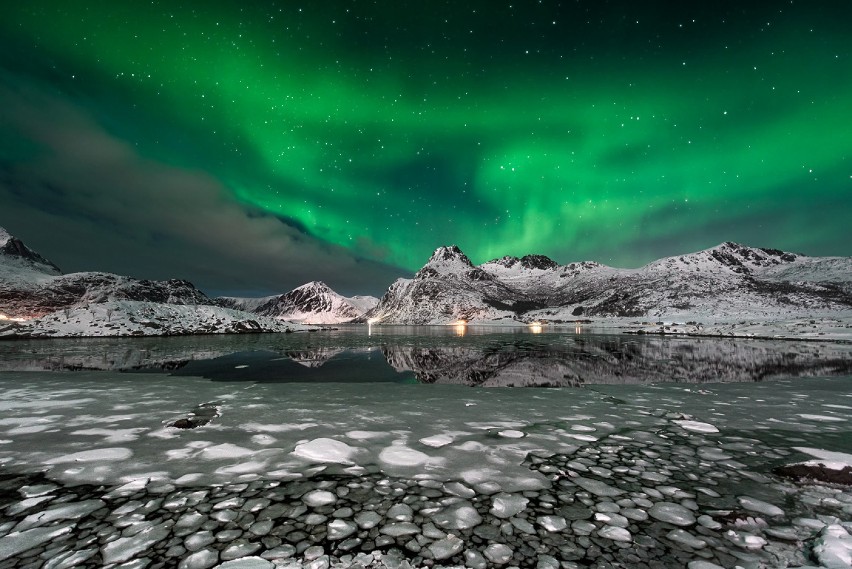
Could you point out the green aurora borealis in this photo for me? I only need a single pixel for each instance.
(610, 131)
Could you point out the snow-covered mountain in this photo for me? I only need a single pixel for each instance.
(140, 318)
(311, 303)
(37, 300)
(31, 286)
(15, 255)
(729, 280)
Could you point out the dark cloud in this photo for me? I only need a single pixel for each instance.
(89, 201)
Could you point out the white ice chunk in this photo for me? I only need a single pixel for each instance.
(20, 541)
(124, 548)
(366, 435)
(759, 506)
(596, 487)
(326, 450)
(95, 455)
(686, 538)
(401, 455)
(340, 529)
(833, 548)
(316, 498)
(697, 426)
(508, 505)
(246, 563)
(840, 458)
(822, 418)
(26, 504)
(552, 523)
(367, 519)
(701, 564)
(461, 515)
(199, 560)
(36, 490)
(498, 553)
(512, 434)
(446, 548)
(437, 441)
(72, 511)
(399, 529)
(224, 451)
(672, 513)
(615, 533)
(744, 539)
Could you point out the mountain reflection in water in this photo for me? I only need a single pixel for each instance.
(496, 359)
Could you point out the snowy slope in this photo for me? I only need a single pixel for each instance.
(133, 318)
(31, 286)
(727, 281)
(312, 303)
(241, 303)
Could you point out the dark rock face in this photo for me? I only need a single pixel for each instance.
(15, 248)
(200, 416)
(538, 262)
(816, 473)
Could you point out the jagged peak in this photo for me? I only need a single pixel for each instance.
(753, 254)
(508, 261)
(12, 247)
(449, 253)
(731, 256)
(538, 262)
(541, 262)
(445, 260)
(314, 285)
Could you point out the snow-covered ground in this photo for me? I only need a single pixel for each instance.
(290, 475)
(833, 326)
(133, 318)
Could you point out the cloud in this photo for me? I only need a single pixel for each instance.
(91, 201)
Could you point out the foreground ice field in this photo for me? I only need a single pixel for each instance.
(363, 475)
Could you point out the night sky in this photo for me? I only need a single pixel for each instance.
(251, 148)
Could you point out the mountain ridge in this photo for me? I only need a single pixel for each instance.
(311, 303)
(728, 279)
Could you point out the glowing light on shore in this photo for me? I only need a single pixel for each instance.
(460, 327)
(371, 321)
(13, 318)
(535, 327)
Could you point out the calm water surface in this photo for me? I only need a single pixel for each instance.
(440, 354)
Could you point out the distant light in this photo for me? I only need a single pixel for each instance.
(371, 321)
(13, 318)
(535, 327)
(460, 327)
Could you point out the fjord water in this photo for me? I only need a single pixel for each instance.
(382, 447)
(465, 355)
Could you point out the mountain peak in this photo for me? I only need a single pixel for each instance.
(13, 248)
(540, 262)
(446, 260)
(449, 253)
(314, 285)
(757, 256)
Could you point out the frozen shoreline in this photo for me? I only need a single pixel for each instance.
(425, 473)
